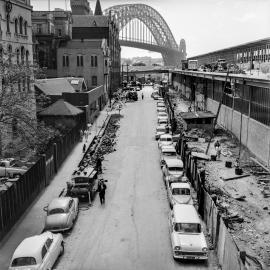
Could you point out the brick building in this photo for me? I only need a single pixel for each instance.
(16, 52)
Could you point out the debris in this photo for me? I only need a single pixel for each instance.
(200, 155)
(240, 198)
(255, 160)
(235, 177)
(265, 208)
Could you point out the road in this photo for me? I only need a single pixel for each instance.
(131, 231)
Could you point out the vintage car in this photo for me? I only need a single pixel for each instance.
(9, 168)
(161, 109)
(179, 193)
(83, 184)
(38, 252)
(61, 214)
(162, 119)
(160, 130)
(161, 104)
(162, 114)
(173, 171)
(187, 238)
(165, 139)
(167, 152)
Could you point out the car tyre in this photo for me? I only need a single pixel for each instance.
(62, 250)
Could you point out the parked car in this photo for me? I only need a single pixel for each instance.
(187, 237)
(173, 171)
(163, 121)
(38, 252)
(9, 168)
(162, 114)
(179, 193)
(167, 152)
(61, 214)
(160, 130)
(161, 109)
(165, 139)
(83, 184)
(161, 104)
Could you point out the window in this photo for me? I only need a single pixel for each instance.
(180, 191)
(43, 252)
(94, 80)
(94, 61)
(49, 242)
(21, 25)
(18, 56)
(39, 28)
(79, 60)
(27, 57)
(23, 85)
(16, 26)
(56, 211)
(8, 23)
(70, 204)
(22, 55)
(9, 53)
(187, 227)
(28, 84)
(25, 28)
(24, 261)
(19, 85)
(65, 60)
(59, 32)
(1, 54)
(14, 127)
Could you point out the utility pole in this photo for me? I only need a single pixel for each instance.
(122, 73)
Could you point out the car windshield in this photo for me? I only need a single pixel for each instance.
(56, 211)
(81, 180)
(181, 191)
(169, 154)
(167, 139)
(161, 129)
(24, 261)
(187, 227)
(176, 169)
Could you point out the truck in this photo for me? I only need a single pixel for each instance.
(10, 169)
(193, 65)
(83, 184)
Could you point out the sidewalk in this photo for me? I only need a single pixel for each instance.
(32, 221)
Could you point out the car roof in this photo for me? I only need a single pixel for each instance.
(174, 162)
(31, 246)
(61, 202)
(185, 213)
(180, 185)
(166, 136)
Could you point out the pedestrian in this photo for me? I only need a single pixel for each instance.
(81, 135)
(84, 148)
(99, 165)
(101, 190)
(86, 135)
(218, 148)
(142, 96)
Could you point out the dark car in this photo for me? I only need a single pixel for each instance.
(132, 95)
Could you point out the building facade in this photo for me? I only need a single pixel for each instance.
(50, 30)
(16, 56)
(87, 58)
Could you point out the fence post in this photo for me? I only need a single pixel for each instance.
(55, 158)
(43, 157)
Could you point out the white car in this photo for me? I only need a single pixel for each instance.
(179, 193)
(161, 105)
(167, 152)
(165, 139)
(187, 238)
(8, 168)
(61, 214)
(173, 171)
(38, 252)
(161, 109)
(160, 130)
(162, 114)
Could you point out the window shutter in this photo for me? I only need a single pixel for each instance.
(64, 60)
(81, 60)
(67, 60)
(78, 60)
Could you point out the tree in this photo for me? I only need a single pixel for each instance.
(18, 122)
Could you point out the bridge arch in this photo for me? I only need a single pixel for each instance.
(159, 38)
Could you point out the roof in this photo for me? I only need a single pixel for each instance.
(98, 10)
(60, 108)
(174, 162)
(54, 87)
(185, 213)
(61, 202)
(180, 185)
(76, 83)
(90, 21)
(31, 246)
(198, 114)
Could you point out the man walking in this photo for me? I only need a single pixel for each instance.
(101, 190)
(142, 96)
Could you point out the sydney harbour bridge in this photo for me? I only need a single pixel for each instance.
(143, 27)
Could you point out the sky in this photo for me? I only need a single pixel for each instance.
(206, 25)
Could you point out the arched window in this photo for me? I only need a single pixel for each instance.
(9, 53)
(22, 55)
(16, 26)
(21, 25)
(18, 56)
(27, 57)
(8, 23)
(25, 28)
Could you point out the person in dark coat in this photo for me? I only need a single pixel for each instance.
(99, 165)
(142, 95)
(101, 190)
(84, 148)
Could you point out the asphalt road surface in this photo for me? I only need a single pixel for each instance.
(131, 230)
